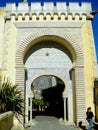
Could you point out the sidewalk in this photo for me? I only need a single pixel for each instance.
(50, 123)
(46, 123)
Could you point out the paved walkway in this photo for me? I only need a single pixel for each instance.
(50, 123)
(45, 123)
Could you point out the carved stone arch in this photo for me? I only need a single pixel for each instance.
(52, 73)
(76, 49)
(62, 76)
(48, 73)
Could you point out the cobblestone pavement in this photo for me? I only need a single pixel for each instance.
(50, 123)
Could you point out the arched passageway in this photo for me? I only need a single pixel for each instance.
(48, 96)
(63, 47)
(48, 54)
(44, 59)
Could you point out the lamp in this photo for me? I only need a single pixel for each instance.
(94, 12)
(96, 91)
(96, 99)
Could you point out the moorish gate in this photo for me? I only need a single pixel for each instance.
(57, 40)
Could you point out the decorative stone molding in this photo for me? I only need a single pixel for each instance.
(51, 34)
(52, 24)
(46, 34)
(62, 73)
(60, 9)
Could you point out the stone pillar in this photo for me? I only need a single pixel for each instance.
(64, 109)
(20, 81)
(70, 107)
(28, 103)
(31, 109)
(67, 97)
(79, 94)
(64, 99)
(26, 111)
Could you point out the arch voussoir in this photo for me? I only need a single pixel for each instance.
(51, 32)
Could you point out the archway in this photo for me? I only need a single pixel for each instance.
(50, 57)
(75, 52)
(48, 96)
(67, 110)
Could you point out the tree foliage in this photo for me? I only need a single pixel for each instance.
(10, 97)
(41, 102)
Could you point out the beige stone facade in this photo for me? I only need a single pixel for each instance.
(28, 32)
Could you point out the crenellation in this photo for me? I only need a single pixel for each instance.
(36, 6)
(74, 6)
(23, 7)
(61, 6)
(37, 16)
(86, 6)
(48, 7)
(11, 7)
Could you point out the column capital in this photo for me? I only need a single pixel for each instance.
(64, 95)
(76, 67)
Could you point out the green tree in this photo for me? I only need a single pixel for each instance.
(10, 98)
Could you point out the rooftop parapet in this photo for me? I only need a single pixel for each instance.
(48, 7)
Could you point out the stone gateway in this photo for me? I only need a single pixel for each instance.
(50, 40)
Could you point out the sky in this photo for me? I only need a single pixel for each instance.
(94, 21)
